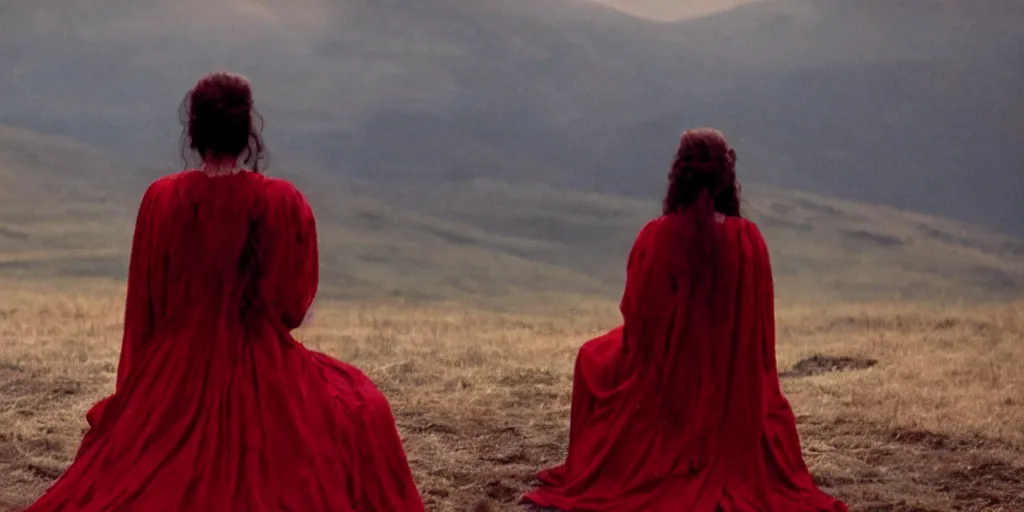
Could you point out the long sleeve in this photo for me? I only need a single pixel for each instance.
(766, 302)
(145, 284)
(741, 353)
(635, 264)
(655, 289)
(143, 298)
(294, 255)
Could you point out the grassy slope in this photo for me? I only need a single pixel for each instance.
(67, 212)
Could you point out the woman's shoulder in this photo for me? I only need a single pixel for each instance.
(742, 224)
(281, 188)
(193, 177)
(653, 225)
(743, 228)
(165, 183)
(283, 196)
(749, 235)
(175, 180)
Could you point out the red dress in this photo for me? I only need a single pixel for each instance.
(680, 408)
(217, 407)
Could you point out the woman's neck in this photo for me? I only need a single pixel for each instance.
(220, 167)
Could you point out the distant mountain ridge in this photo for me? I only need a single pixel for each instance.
(473, 148)
(497, 242)
(914, 104)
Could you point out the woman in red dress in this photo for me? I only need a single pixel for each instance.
(680, 408)
(216, 406)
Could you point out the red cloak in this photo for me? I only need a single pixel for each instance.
(216, 406)
(680, 408)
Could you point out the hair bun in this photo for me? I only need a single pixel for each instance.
(704, 165)
(219, 119)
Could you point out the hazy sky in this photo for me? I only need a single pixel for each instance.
(672, 10)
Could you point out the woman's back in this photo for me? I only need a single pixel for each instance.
(682, 320)
(680, 407)
(236, 247)
(216, 406)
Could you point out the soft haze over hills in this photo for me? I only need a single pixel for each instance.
(500, 242)
(915, 104)
(673, 10)
(523, 142)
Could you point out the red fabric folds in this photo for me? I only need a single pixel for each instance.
(680, 408)
(216, 406)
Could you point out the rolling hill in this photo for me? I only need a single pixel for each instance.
(914, 105)
(498, 242)
(494, 148)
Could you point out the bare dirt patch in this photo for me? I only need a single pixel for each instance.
(819, 364)
(883, 469)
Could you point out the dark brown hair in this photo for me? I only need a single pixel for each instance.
(218, 120)
(704, 164)
(702, 183)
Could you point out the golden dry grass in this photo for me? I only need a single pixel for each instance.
(482, 398)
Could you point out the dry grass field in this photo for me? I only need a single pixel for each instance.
(925, 413)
